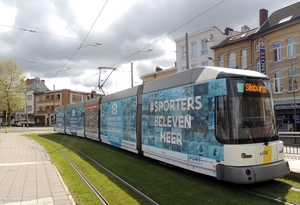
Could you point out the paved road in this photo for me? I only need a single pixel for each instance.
(29, 129)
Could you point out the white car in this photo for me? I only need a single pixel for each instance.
(22, 123)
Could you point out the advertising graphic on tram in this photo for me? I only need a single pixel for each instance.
(75, 121)
(91, 121)
(118, 122)
(181, 119)
(59, 121)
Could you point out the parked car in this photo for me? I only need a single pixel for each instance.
(14, 122)
(22, 123)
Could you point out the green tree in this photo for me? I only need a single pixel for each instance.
(12, 87)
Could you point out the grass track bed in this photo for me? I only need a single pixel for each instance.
(163, 184)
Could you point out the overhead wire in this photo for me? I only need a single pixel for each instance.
(82, 41)
(66, 37)
(167, 34)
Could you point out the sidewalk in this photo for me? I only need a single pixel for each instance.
(27, 176)
(294, 162)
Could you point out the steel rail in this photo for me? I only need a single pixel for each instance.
(116, 176)
(87, 182)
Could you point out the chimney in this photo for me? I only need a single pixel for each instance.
(157, 69)
(263, 16)
(43, 82)
(228, 31)
(245, 29)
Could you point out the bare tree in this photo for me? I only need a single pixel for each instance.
(12, 87)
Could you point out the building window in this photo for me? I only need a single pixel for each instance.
(183, 68)
(194, 49)
(244, 59)
(43, 97)
(258, 68)
(38, 109)
(292, 84)
(232, 60)
(58, 96)
(277, 51)
(38, 98)
(204, 46)
(183, 48)
(291, 48)
(29, 108)
(73, 96)
(221, 61)
(205, 63)
(278, 82)
(80, 96)
(43, 108)
(258, 46)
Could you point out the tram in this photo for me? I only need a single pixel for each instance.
(215, 121)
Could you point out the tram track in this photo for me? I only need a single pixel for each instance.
(84, 157)
(86, 181)
(266, 192)
(270, 197)
(89, 184)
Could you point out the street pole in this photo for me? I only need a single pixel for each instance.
(131, 74)
(6, 117)
(187, 50)
(54, 104)
(295, 115)
(26, 109)
(294, 75)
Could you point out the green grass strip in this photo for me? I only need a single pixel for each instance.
(163, 184)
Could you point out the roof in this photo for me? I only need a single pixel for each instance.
(235, 38)
(282, 15)
(30, 81)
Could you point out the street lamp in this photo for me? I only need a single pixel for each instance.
(61, 71)
(82, 46)
(54, 96)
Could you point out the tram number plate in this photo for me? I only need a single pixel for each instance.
(267, 154)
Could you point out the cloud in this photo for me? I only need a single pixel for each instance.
(45, 36)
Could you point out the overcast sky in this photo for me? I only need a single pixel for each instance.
(64, 42)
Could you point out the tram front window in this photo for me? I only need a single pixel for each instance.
(251, 115)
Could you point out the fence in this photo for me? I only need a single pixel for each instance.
(291, 141)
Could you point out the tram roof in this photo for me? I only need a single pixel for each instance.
(199, 74)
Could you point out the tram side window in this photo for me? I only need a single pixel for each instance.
(222, 125)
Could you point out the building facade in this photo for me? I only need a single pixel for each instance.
(40, 102)
(159, 73)
(46, 102)
(235, 51)
(195, 49)
(273, 49)
(280, 37)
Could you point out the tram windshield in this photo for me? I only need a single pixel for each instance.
(246, 115)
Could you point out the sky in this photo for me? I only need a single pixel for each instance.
(66, 42)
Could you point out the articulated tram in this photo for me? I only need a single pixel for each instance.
(215, 121)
